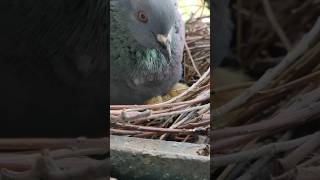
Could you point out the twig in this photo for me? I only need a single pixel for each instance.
(191, 59)
(264, 81)
(271, 148)
(275, 24)
(161, 130)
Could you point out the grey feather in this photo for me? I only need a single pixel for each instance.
(139, 68)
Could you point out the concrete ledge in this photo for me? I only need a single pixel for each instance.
(136, 158)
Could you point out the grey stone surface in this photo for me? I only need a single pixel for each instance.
(136, 158)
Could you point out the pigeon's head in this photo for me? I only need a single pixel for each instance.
(151, 22)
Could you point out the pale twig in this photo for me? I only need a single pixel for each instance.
(191, 59)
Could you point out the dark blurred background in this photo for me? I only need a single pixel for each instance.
(53, 68)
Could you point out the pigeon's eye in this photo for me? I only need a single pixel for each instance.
(142, 17)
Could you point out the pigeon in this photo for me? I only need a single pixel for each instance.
(146, 49)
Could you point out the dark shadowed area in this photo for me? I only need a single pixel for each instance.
(53, 68)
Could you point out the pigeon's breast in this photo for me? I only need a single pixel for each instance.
(147, 85)
(142, 84)
(152, 70)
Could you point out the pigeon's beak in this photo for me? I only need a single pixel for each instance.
(165, 46)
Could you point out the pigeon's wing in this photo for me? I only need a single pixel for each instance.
(222, 30)
(178, 34)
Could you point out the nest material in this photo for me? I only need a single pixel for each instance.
(267, 30)
(185, 116)
(272, 127)
(25, 159)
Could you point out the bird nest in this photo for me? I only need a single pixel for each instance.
(272, 128)
(185, 117)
